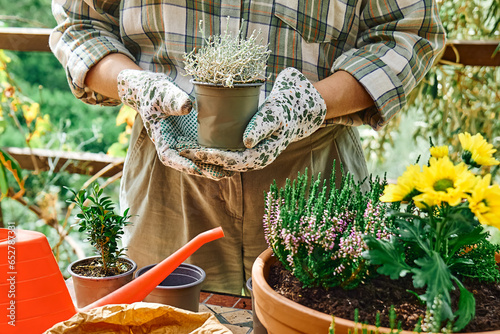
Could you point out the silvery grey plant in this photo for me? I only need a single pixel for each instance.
(228, 59)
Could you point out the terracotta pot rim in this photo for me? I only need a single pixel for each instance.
(259, 280)
(131, 270)
(266, 256)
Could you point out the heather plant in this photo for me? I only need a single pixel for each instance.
(316, 230)
(228, 59)
(440, 239)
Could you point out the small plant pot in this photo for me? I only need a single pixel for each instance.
(90, 289)
(180, 289)
(223, 113)
(257, 325)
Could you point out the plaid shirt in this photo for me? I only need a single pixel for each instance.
(388, 46)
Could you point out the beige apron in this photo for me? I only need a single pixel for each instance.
(171, 207)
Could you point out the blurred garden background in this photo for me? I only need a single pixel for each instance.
(38, 111)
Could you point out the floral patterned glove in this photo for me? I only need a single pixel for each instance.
(165, 110)
(293, 110)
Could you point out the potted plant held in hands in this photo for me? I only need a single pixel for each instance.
(228, 72)
(96, 276)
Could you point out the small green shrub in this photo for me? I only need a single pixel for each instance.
(103, 227)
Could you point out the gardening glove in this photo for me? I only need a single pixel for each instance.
(293, 110)
(166, 111)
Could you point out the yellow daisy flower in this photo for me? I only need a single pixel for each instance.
(484, 202)
(442, 181)
(405, 189)
(439, 151)
(477, 151)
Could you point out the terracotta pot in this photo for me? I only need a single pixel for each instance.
(90, 289)
(257, 325)
(281, 315)
(223, 113)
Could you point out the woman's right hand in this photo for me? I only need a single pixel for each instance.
(153, 95)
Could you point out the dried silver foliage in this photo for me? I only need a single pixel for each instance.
(226, 59)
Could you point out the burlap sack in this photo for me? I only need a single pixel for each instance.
(139, 318)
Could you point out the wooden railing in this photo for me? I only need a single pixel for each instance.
(71, 162)
(37, 40)
(25, 39)
(475, 53)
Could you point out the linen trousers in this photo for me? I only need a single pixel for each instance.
(170, 207)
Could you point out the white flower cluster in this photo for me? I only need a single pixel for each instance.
(226, 59)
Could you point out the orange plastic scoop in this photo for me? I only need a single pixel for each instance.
(33, 293)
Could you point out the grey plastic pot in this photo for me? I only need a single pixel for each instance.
(180, 289)
(90, 289)
(258, 328)
(223, 113)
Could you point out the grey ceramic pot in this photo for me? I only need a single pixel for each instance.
(180, 289)
(258, 328)
(90, 289)
(223, 113)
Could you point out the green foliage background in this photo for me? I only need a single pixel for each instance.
(42, 78)
(451, 98)
(77, 127)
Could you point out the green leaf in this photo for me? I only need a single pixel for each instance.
(4, 184)
(3, 57)
(471, 238)
(414, 232)
(434, 88)
(3, 124)
(466, 307)
(435, 275)
(388, 255)
(117, 150)
(12, 165)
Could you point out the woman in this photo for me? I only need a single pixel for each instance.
(355, 60)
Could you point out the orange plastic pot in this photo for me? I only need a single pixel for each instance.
(281, 315)
(33, 293)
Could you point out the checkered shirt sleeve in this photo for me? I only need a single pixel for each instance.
(387, 45)
(396, 46)
(86, 32)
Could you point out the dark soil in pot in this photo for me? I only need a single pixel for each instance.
(378, 295)
(92, 267)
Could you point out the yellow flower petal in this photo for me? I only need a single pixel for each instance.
(477, 151)
(126, 115)
(405, 189)
(442, 181)
(31, 112)
(439, 151)
(484, 202)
